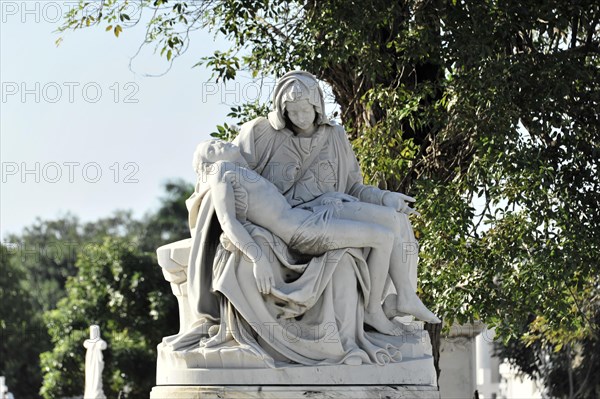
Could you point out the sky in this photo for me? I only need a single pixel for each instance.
(82, 133)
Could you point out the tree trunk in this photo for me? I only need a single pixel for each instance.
(435, 334)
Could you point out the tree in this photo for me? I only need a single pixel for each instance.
(47, 250)
(122, 290)
(118, 285)
(35, 267)
(22, 335)
(486, 111)
(169, 222)
(569, 371)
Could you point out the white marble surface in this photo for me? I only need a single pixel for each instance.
(418, 371)
(293, 392)
(94, 364)
(457, 362)
(289, 261)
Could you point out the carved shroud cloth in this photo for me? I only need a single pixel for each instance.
(315, 312)
(94, 364)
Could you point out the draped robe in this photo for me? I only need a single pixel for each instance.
(315, 312)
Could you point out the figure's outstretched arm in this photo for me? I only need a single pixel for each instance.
(224, 202)
(365, 193)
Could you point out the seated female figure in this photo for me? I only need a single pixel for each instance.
(318, 304)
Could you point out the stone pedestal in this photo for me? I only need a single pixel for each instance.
(173, 259)
(413, 378)
(231, 373)
(458, 377)
(408, 372)
(293, 392)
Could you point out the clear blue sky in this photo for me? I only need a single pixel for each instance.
(71, 112)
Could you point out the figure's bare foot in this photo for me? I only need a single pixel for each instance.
(406, 328)
(378, 320)
(214, 330)
(218, 334)
(395, 305)
(390, 309)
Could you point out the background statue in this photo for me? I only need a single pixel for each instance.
(94, 364)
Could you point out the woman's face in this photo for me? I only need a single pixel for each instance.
(301, 113)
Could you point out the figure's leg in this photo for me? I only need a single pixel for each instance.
(404, 251)
(345, 302)
(352, 234)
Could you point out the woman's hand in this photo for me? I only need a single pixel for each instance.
(399, 202)
(264, 277)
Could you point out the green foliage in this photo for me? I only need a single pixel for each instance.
(38, 262)
(47, 250)
(118, 285)
(242, 114)
(568, 371)
(22, 333)
(169, 222)
(35, 267)
(121, 289)
(486, 111)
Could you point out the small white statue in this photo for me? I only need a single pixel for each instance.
(94, 364)
(4, 394)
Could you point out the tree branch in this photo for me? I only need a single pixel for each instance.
(574, 31)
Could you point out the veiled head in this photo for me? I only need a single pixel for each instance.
(294, 87)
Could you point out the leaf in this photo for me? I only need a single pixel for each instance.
(109, 27)
(118, 30)
(169, 54)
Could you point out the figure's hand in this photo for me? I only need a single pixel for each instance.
(264, 277)
(399, 202)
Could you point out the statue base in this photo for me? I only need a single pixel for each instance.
(296, 392)
(412, 378)
(418, 371)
